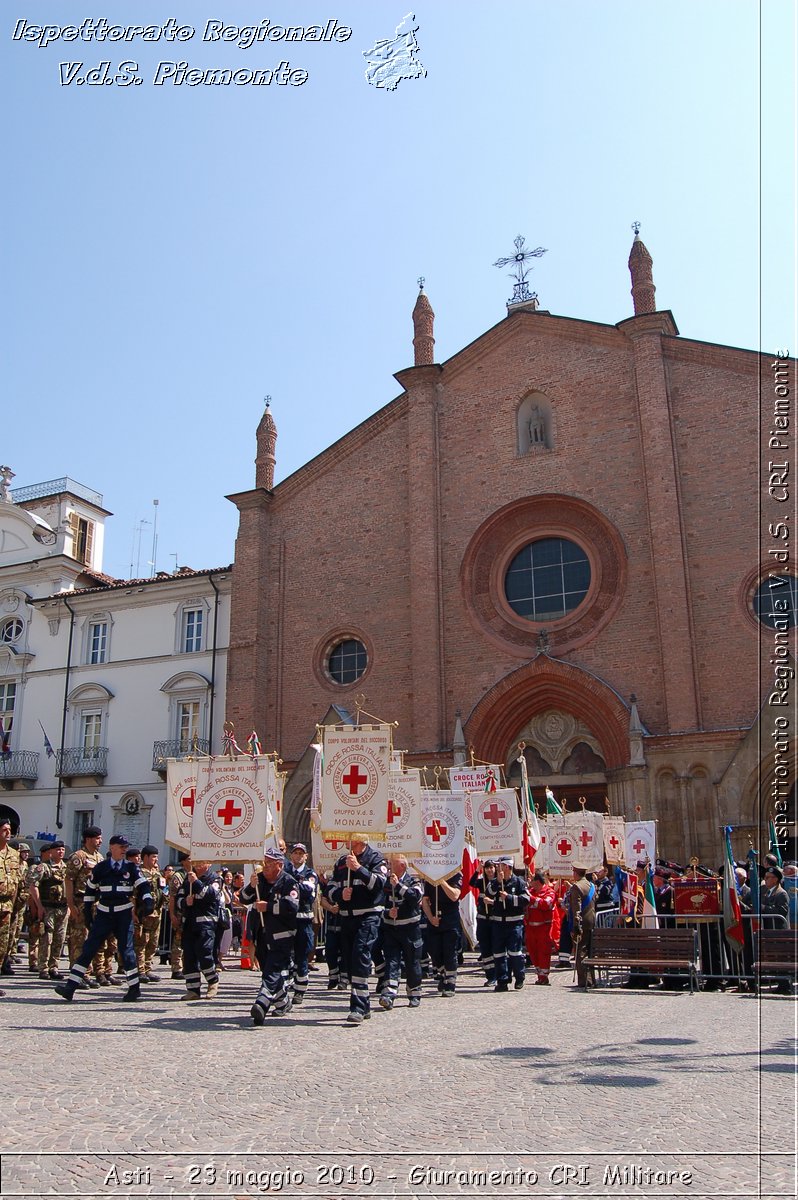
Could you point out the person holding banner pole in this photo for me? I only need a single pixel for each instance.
(199, 902)
(401, 936)
(274, 896)
(358, 888)
(510, 898)
(441, 905)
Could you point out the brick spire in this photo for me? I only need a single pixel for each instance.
(267, 440)
(423, 322)
(640, 264)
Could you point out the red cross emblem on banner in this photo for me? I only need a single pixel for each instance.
(638, 846)
(436, 831)
(585, 839)
(564, 847)
(494, 814)
(354, 780)
(393, 811)
(613, 841)
(335, 845)
(187, 800)
(228, 811)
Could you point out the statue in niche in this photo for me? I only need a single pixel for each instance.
(536, 427)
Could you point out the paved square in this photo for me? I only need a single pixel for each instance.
(610, 1092)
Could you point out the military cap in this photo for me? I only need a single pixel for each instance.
(92, 831)
(23, 846)
(274, 855)
(46, 848)
(56, 845)
(149, 849)
(132, 852)
(580, 866)
(183, 855)
(119, 839)
(299, 846)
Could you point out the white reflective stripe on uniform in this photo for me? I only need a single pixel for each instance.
(116, 908)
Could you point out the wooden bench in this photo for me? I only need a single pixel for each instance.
(774, 953)
(646, 950)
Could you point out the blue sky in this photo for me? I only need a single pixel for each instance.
(177, 253)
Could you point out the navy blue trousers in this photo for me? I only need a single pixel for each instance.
(358, 935)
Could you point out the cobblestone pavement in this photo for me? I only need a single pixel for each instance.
(192, 1100)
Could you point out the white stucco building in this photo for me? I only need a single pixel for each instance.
(114, 675)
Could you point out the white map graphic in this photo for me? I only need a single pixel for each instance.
(390, 60)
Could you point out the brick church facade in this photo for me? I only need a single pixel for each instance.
(551, 538)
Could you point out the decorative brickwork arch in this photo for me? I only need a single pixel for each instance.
(542, 684)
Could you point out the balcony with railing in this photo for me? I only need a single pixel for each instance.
(177, 748)
(19, 766)
(82, 762)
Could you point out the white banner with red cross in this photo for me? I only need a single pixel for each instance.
(231, 811)
(542, 853)
(497, 827)
(562, 847)
(354, 786)
(486, 778)
(640, 842)
(181, 792)
(614, 841)
(325, 855)
(443, 830)
(403, 826)
(586, 830)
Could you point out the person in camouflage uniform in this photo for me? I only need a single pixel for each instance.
(178, 875)
(10, 877)
(145, 938)
(23, 849)
(79, 868)
(48, 902)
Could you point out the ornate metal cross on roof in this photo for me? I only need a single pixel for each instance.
(521, 290)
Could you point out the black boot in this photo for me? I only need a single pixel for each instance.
(66, 990)
(133, 993)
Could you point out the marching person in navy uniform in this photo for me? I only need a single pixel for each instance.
(274, 896)
(441, 906)
(401, 933)
(358, 888)
(332, 939)
(199, 903)
(113, 884)
(307, 884)
(508, 897)
(479, 881)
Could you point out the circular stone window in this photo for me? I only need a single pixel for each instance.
(347, 662)
(11, 630)
(776, 602)
(547, 579)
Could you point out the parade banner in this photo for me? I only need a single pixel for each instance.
(354, 788)
(324, 855)
(542, 853)
(276, 789)
(181, 792)
(497, 827)
(640, 842)
(443, 829)
(561, 847)
(486, 778)
(585, 828)
(403, 826)
(614, 841)
(231, 812)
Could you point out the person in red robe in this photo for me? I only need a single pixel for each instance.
(538, 922)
